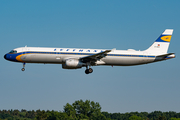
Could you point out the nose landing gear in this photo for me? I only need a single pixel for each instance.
(23, 69)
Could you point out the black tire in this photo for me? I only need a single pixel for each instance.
(87, 71)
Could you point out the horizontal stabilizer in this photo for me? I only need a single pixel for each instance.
(166, 56)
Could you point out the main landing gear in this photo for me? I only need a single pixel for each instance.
(87, 71)
(23, 69)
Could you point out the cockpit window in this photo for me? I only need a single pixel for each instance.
(13, 51)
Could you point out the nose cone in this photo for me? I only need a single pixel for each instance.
(5, 56)
(11, 57)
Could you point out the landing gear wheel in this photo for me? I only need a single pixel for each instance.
(23, 69)
(90, 70)
(87, 71)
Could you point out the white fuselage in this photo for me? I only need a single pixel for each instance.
(60, 55)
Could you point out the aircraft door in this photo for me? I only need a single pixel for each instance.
(24, 50)
(24, 57)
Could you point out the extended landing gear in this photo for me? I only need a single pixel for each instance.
(23, 69)
(87, 71)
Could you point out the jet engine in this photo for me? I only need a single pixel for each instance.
(72, 64)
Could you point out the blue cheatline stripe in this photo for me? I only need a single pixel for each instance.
(121, 55)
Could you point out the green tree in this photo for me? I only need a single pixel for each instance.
(82, 107)
(161, 118)
(41, 115)
(54, 115)
(16, 112)
(84, 110)
(174, 119)
(108, 115)
(70, 111)
(134, 117)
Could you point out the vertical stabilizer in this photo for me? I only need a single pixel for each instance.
(161, 45)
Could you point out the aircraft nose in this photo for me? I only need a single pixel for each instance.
(10, 57)
(5, 56)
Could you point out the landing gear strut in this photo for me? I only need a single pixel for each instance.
(87, 71)
(23, 69)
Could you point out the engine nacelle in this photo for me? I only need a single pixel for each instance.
(72, 64)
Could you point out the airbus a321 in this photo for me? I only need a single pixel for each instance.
(74, 58)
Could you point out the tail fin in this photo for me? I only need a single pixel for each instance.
(161, 45)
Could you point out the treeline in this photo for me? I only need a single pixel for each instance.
(84, 110)
(156, 115)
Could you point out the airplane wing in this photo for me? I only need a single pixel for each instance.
(94, 57)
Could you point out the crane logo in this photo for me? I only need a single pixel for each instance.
(166, 38)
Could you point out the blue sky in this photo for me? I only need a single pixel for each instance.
(89, 24)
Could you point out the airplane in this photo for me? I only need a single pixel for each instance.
(75, 58)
